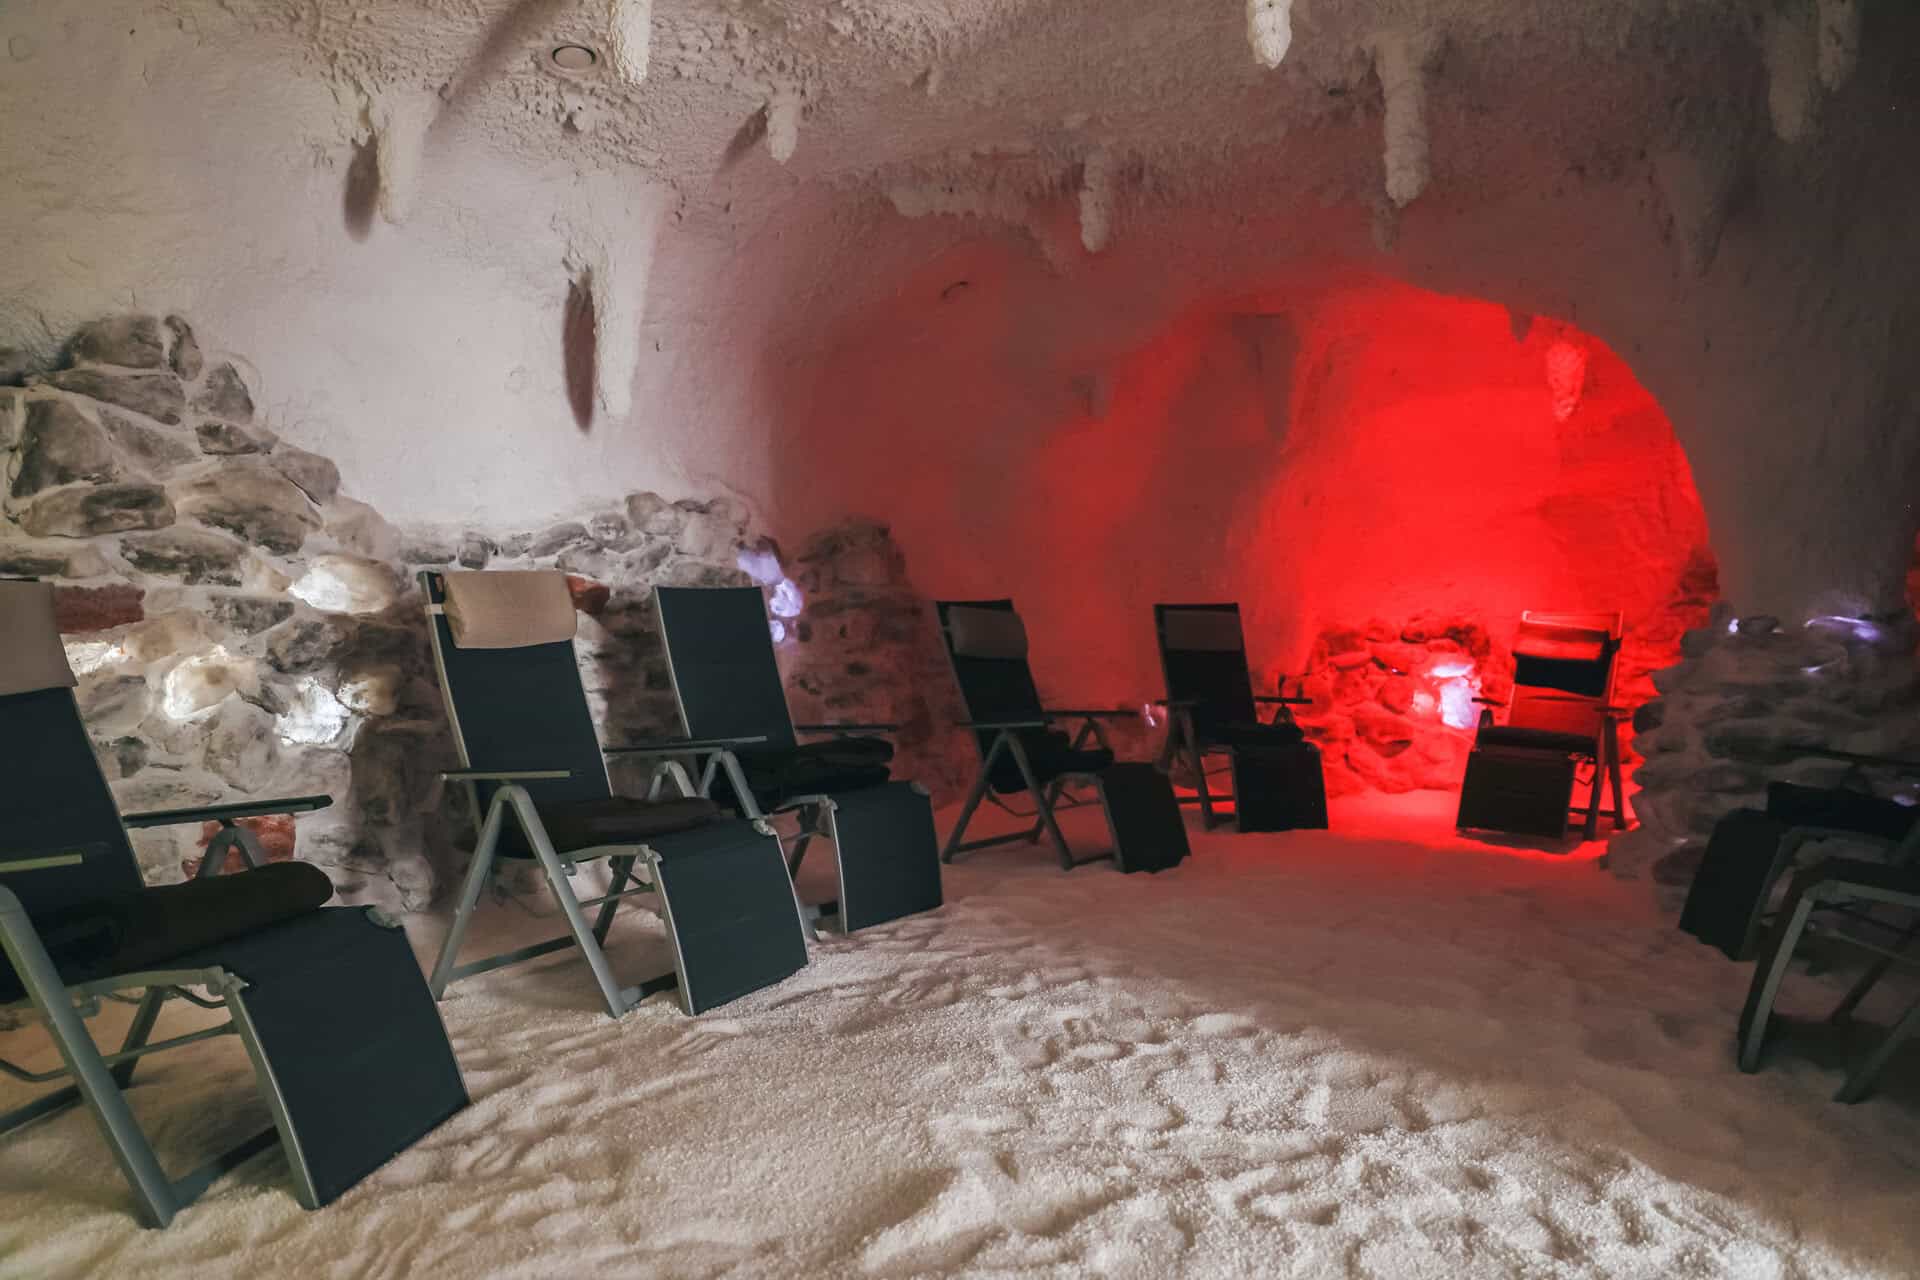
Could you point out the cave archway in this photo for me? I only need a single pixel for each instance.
(1364, 465)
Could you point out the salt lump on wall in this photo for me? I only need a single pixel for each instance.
(1401, 60)
(630, 36)
(1270, 29)
(783, 123)
(1096, 201)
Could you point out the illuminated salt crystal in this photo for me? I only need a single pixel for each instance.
(89, 656)
(1566, 377)
(787, 602)
(315, 716)
(203, 682)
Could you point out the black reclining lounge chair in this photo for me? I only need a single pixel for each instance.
(345, 1042)
(727, 683)
(1021, 751)
(1520, 776)
(1731, 901)
(1846, 890)
(503, 643)
(1278, 783)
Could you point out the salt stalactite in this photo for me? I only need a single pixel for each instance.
(1401, 59)
(1792, 80)
(1096, 201)
(1270, 30)
(1839, 40)
(616, 322)
(630, 37)
(1697, 180)
(399, 124)
(783, 123)
(1566, 377)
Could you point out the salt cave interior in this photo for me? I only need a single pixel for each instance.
(1386, 319)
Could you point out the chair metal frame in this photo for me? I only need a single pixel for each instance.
(1046, 800)
(634, 867)
(1851, 888)
(814, 814)
(99, 1081)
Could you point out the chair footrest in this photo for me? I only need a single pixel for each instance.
(1148, 832)
(889, 854)
(731, 912)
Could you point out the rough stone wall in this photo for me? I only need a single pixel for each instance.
(1740, 707)
(243, 629)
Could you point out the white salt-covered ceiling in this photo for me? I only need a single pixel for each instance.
(384, 206)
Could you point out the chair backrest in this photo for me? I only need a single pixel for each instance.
(520, 706)
(53, 798)
(1563, 671)
(1203, 653)
(987, 644)
(720, 655)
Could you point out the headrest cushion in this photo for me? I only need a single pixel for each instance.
(987, 633)
(508, 609)
(31, 655)
(1209, 630)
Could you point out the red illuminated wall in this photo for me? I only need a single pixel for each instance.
(1330, 457)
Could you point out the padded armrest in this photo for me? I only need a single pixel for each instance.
(846, 728)
(1855, 757)
(226, 812)
(1291, 702)
(1003, 724)
(1179, 704)
(45, 859)
(1098, 713)
(503, 775)
(681, 746)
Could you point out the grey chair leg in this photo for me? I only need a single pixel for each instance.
(477, 872)
(978, 793)
(622, 869)
(618, 1001)
(154, 1194)
(1197, 761)
(1592, 828)
(1041, 802)
(230, 836)
(1861, 1080)
(1767, 976)
(139, 1032)
(1611, 735)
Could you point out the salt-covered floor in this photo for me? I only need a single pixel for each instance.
(1344, 1053)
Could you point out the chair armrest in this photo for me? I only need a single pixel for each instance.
(503, 775)
(681, 746)
(46, 859)
(1180, 704)
(1003, 724)
(1490, 702)
(225, 812)
(1854, 757)
(846, 728)
(1291, 702)
(1095, 713)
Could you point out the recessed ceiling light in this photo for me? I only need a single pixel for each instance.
(574, 57)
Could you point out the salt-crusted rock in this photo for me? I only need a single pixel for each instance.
(112, 704)
(157, 395)
(21, 559)
(164, 636)
(153, 450)
(122, 757)
(317, 477)
(314, 716)
(87, 511)
(474, 551)
(13, 412)
(610, 529)
(185, 359)
(255, 502)
(247, 614)
(424, 551)
(205, 681)
(17, 364)
(225, 396)
(241, 745)
(187, 554)
(651, 513)
(360, 529)
(223, 439)
(131, 342)
(347, 584)
(373, 690)
(60, 445)
(306, 643)
(557, 539)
